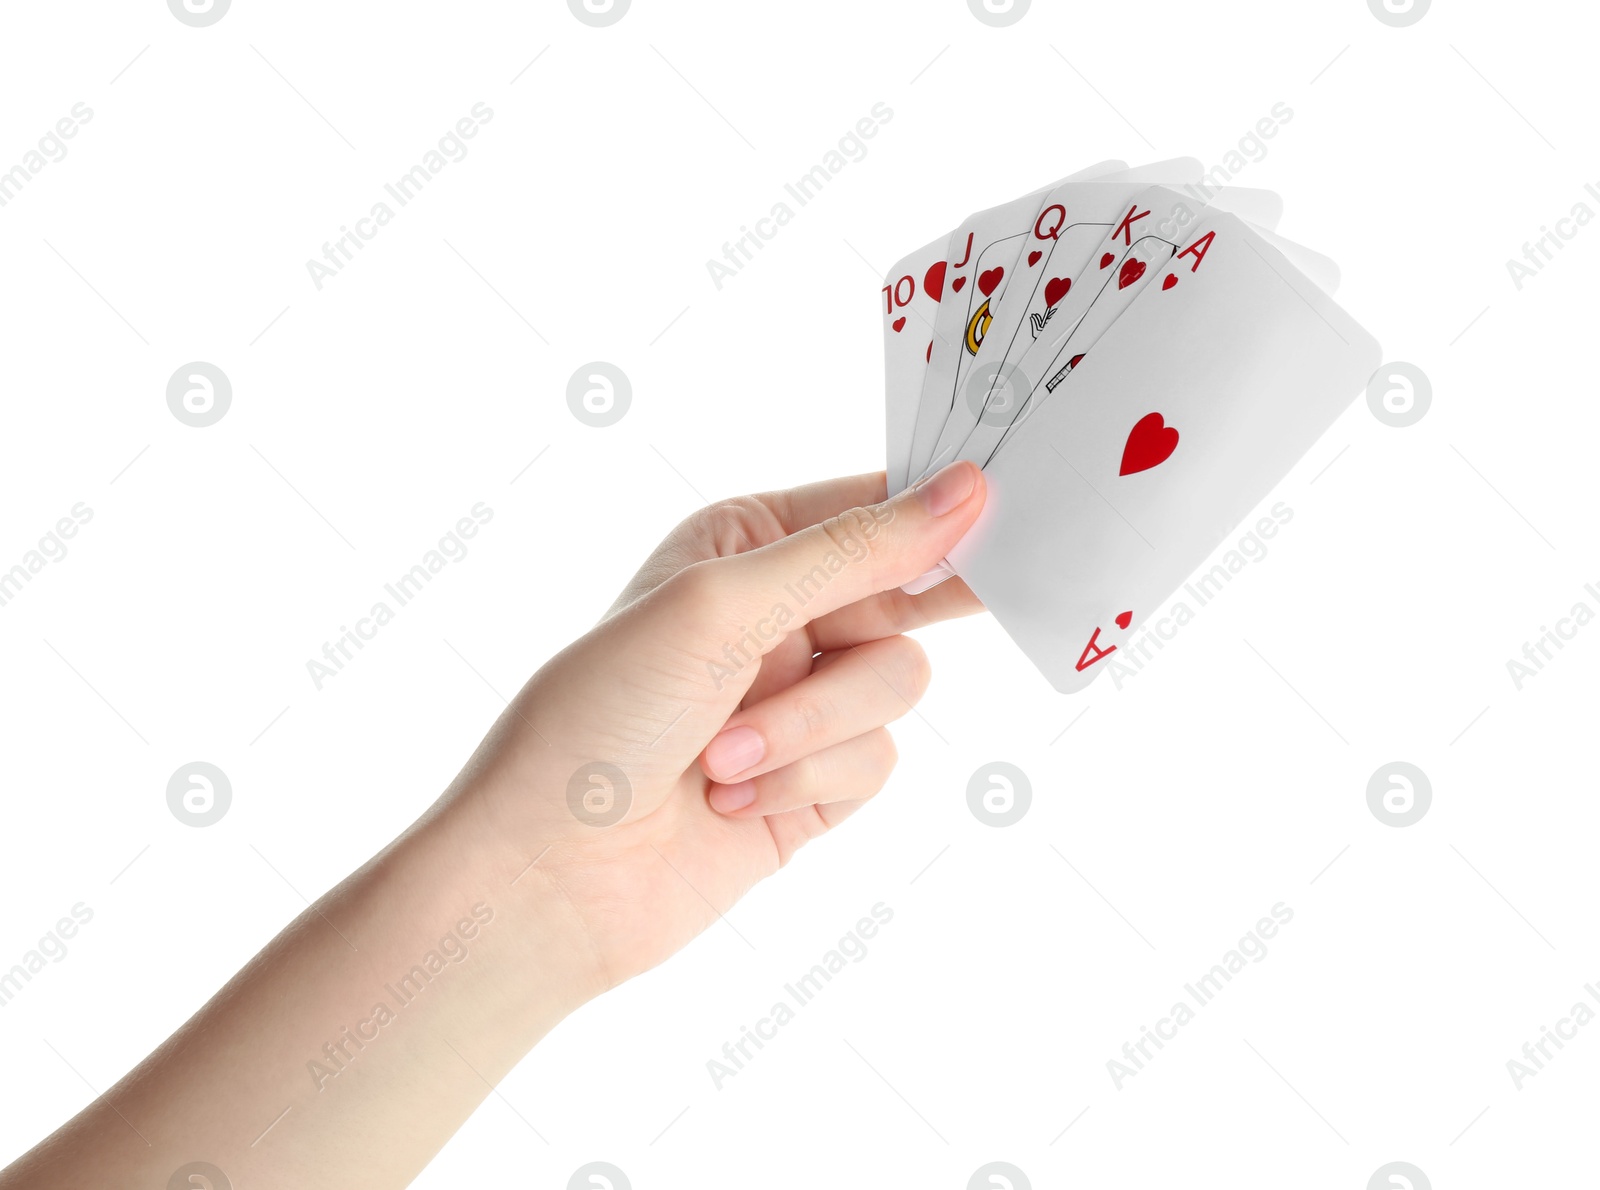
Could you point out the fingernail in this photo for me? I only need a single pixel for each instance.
(948, 489)
(735, 750)
(725, 799)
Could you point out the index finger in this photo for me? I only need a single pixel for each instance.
(812, 503)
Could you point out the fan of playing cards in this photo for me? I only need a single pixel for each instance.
(1134, 359)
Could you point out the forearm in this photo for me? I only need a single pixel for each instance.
(357, 1041)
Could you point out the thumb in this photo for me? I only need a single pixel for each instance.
(861, 551)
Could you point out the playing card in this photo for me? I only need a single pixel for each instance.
(911, 295)
(1037, 378)
(1090, 274)
(949, 358)
(980, 254)
(1112, 260)
(1194, 403)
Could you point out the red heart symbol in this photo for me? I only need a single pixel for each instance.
(1105, 261)
(1131, 271)
(1033, 257)
(1150, 443)
(933, 281)
(1124, 620)
(1055, 289)
(1169, 282)
(987, 281)
(899, 324)
(928, 354)
(958, 283)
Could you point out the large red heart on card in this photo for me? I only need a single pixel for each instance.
(899, 324)
(933, 281)
(1055, 289)
(1105, 261)
(1033, 257)
(958, 283)
(1130, 272)
(989, 279)
(1150, 443)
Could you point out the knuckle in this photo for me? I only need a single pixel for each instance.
(725, 525)
(813, 715)
(697, 585)
(855, 534)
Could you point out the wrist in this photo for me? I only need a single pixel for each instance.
(531, 960)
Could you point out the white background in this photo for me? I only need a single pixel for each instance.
(1167, 815)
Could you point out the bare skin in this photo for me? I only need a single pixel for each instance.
(729, 709)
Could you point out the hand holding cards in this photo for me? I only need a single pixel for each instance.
(1145, 363)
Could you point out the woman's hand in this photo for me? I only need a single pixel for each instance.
(729, 709)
